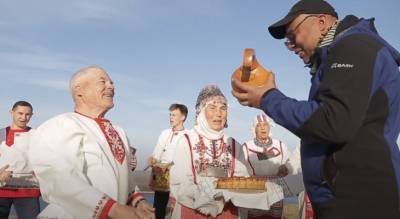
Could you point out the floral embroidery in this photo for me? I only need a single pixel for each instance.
(216, 154)
(113, 139)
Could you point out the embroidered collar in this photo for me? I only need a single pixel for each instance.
(260, 144)
(95, 119)
(10, 134)
(176, 132)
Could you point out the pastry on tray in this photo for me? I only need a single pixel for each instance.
(251, 183)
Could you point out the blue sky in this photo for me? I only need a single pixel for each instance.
(158, 52)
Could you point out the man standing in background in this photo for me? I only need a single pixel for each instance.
(14, 145)
(164, 152)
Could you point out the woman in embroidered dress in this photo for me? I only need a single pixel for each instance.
(202, 149)
(267, 157)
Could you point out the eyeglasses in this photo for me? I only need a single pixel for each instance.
(291, 35)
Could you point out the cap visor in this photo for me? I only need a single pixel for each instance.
(278, 29)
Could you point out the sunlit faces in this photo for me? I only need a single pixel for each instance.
(176, 118)
(216, 113)
(303, 35)
(262, 130)
(21, 116)
(98, 90)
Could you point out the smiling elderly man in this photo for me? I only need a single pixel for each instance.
(82, 160)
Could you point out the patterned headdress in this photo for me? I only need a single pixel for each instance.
(207, 94)
(262, 118)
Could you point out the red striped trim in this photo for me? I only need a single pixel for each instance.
(106, 209)
(191, 158)
(308, 207)
(272, 149)
(280, 145)
(275, 151)
(10, 134)
(19, 193)
(233, 157)
(134, 196)
(256, 151)
(248, 159)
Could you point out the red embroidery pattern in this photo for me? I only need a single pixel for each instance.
(219, 155)
(99, 207)
(113, 139)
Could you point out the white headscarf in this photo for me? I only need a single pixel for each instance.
(262, 118)
(204, 129)
(209, 94)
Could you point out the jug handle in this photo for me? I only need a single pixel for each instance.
(248, 57)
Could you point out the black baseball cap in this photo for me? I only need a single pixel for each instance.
(278, 29)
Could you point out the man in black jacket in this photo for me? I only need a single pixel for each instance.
(349, 125)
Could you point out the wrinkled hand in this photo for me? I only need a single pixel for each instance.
(251, 96)
(145, 210)
(119, 211)
(282, 171)
(5, 174)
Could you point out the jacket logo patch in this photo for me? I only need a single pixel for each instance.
(341, 65)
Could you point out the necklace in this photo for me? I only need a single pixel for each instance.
(262, 144)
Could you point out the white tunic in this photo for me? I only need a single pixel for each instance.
(76, 169)
(15, 155)
(166, 144)
(263, 165)
(189, 161)
(279, 155)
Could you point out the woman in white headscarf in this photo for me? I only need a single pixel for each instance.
(205, 151)
(267, 157)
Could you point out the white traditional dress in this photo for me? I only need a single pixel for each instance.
(266, 164)
(193, 154)
(166, 144)
(13, 152)
(82, 165)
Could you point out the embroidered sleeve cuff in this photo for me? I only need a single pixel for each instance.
(106, 210)
(103, 207)
(134, 198)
